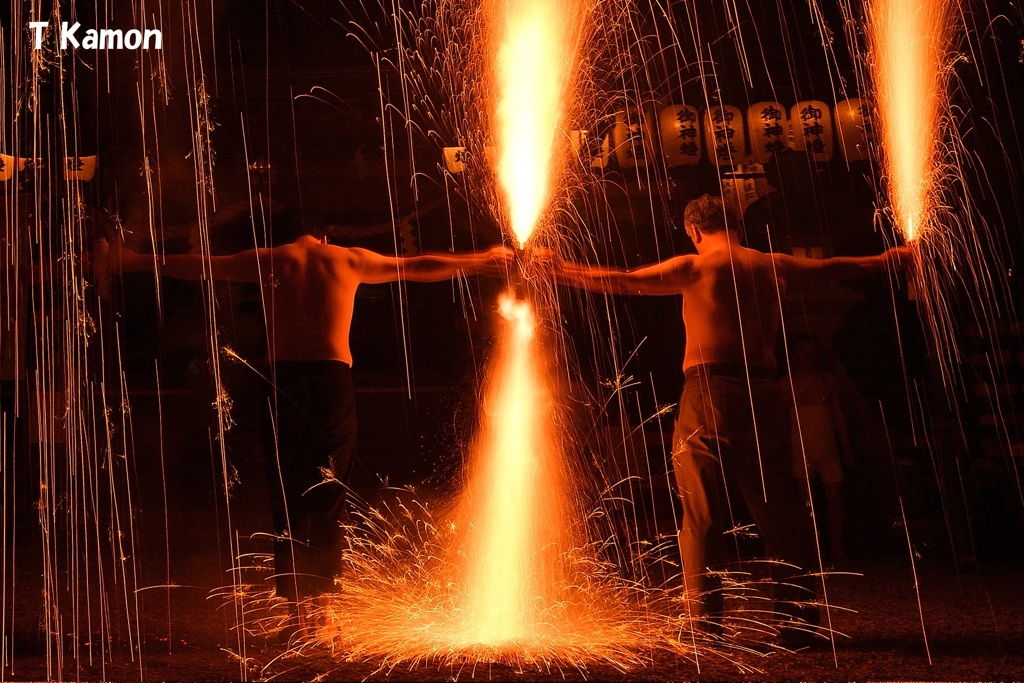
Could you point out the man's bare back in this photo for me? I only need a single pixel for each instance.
(309, 291)
(731, 309)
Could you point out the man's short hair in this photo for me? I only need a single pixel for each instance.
(709, 214)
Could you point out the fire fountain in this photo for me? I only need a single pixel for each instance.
(509, 577)
(910, 41)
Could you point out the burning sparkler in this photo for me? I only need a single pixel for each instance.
(517, 500)
(516, 491)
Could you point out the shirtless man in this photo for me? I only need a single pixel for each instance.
(732, 432)
(309, 289)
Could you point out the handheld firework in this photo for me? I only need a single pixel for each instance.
(518, 281)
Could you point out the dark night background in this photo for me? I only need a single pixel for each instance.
(289, 85)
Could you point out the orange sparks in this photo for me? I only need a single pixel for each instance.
(910, 41)
(515, 493)
(536, 43)
(509, 575)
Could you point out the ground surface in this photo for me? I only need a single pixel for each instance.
(974, 624)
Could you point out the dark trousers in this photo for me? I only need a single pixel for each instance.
(308, 473)
(732, 438)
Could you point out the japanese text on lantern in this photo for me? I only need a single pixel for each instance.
(634, 145)
(724, 128)
(680, 134)
(630, 135)
(810, 118)
(812, 129)
(687, 132)
(722, 119)
(772, 131)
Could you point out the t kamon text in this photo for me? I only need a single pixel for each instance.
(102, 39)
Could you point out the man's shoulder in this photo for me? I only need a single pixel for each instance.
(770, 260)
(350, 257)
(750, 263)
(728, 258)
(304, 248)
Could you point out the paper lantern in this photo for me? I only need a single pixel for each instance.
(811, 123)
(631, 138)
(769, 130)
(723, 130)
(455, 159)
(853, 123)
(680, 134)
(80, 168)
(8, 165)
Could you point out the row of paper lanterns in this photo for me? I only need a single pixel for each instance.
(681, 135)
(75, 168)
(722, 133)
(686, 136)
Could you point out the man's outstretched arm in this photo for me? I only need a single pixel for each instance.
(804, 271)
(665, 278)
(374, 268)
(241, 267)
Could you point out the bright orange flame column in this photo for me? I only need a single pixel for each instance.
(536, 44)
(516, 500)
(909, 41)
(505, 573)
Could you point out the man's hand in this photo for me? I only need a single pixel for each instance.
(544, 260)
(499, 256)
(497, 261)
(902, 259)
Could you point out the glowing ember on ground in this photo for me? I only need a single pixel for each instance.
(910, 41)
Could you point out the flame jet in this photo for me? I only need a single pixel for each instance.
(910, 42)
(517, 501)
(534, 54)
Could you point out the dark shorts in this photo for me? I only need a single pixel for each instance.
(308, 471)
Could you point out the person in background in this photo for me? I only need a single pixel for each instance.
(820, 437)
